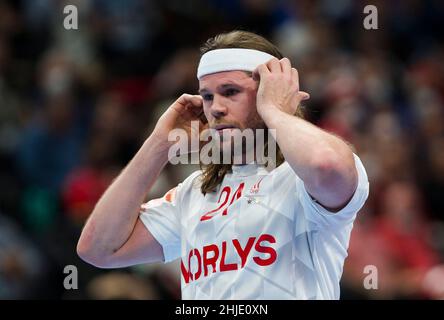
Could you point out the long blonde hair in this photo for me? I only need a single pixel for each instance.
(213, 174)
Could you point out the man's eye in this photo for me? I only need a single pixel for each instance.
(207, 97)
(231, 92)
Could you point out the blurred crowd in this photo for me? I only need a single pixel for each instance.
(75, 105)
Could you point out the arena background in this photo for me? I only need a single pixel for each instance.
(75, 105)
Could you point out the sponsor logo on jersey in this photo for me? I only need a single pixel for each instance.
(211, 258)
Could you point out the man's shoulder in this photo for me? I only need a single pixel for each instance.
(283, 170)
(191, 182)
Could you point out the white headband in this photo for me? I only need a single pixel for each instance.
(231, 59)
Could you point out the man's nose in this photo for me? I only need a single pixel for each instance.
(218, 108)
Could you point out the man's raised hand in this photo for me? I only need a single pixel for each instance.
(278, 87)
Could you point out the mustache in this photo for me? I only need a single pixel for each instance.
(218, 124)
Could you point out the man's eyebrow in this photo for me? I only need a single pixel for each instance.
(228, 84)
(222, 86)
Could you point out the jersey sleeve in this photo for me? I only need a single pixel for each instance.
(322, 217)
(162, 217)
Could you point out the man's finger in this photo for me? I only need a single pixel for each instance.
(274, 65)
(195, 100)
(189, 99)
(295, 77)
(286, 66)
(260, 71)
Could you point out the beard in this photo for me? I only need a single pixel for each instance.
(238, 144)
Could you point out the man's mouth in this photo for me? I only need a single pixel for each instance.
(221, 127)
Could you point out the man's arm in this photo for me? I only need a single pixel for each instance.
(324, 162)
(114, 236)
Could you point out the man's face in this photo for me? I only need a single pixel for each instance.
(229, 101)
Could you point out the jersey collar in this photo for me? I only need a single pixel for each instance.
(248, 169)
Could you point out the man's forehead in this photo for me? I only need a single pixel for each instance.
(211, 81)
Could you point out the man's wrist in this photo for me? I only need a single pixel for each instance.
(270, 114)
(157, 147)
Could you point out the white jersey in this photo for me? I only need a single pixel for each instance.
(260, 236)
